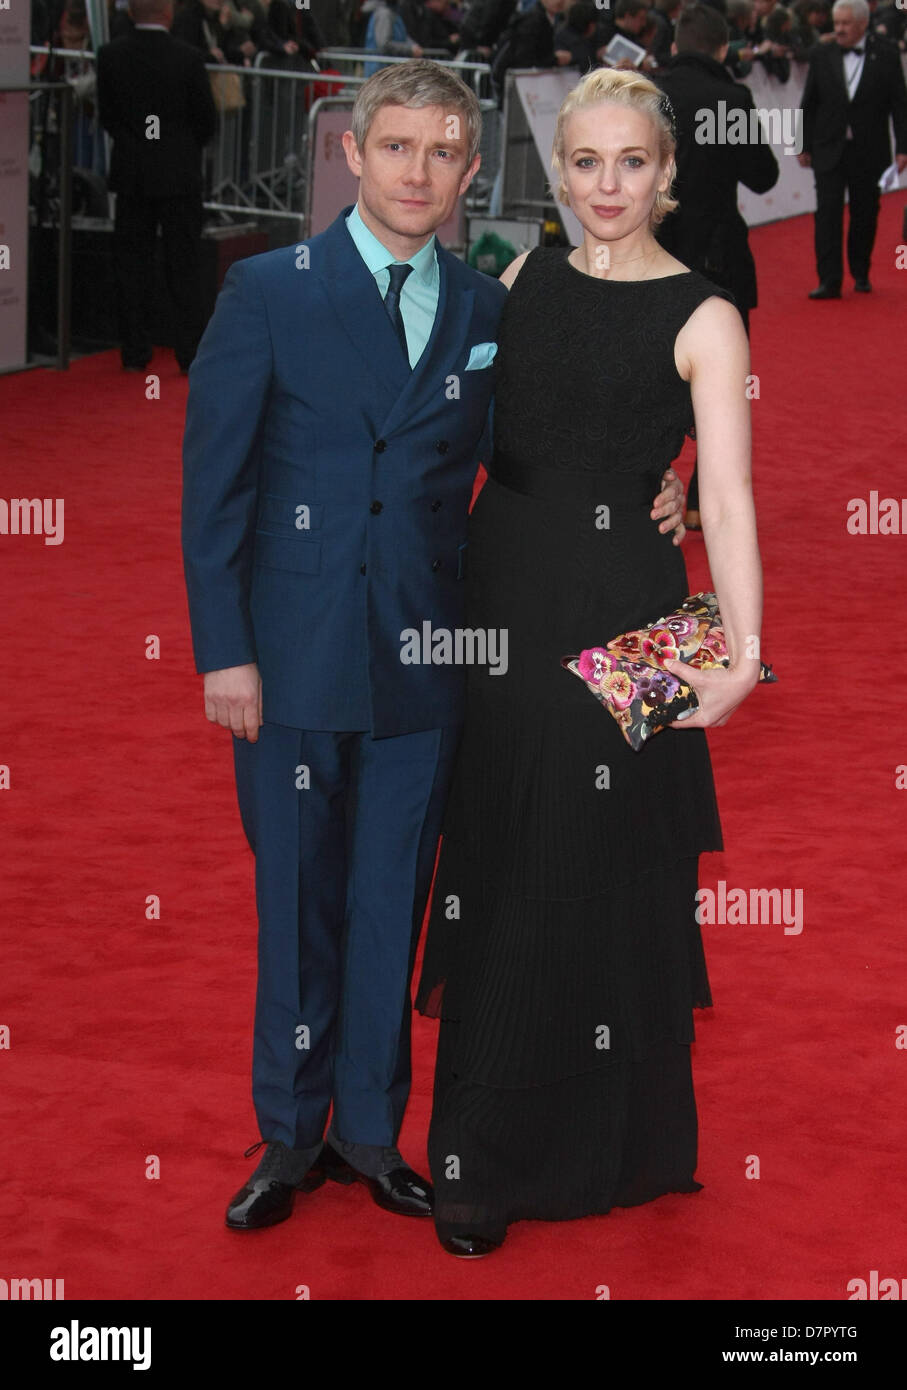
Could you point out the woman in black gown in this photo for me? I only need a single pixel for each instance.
(563, 956)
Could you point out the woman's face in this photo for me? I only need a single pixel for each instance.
(612, 169)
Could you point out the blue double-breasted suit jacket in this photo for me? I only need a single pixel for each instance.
(327, 486)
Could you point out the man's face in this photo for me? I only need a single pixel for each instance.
(212, 6)
(635, 23)
(848, 29)
(412, 167)
(764, 7)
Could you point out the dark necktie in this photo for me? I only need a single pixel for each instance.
(398, 274)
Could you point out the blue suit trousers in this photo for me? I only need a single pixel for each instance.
(344, 828)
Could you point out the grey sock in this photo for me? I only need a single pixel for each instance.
(285, 1164)
(372, 1160)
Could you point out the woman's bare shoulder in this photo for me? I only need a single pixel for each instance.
(508, 276)
(713, 334)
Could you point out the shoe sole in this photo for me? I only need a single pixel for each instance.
(474, 1255)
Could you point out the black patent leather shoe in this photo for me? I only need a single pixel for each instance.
(862, 287)
(267, 1198)
(400, 1190)
(826, 292)
(470, 1247)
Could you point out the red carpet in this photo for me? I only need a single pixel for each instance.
(131, 1038)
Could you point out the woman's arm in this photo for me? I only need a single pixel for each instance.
(713, 352)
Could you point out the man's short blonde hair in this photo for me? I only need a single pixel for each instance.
(415, 84)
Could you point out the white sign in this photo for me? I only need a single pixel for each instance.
(15, 25)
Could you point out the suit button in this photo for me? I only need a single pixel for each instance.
(436, 565)
(362, 569)
(435, 506)
(442, 446)
(376, 507)
(380, 446)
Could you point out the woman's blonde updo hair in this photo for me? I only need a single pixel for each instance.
(622, 88)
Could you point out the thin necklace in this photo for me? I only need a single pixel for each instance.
(651, 256)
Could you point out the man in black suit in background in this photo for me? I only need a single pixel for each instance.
(154, 99)
(853, 88)
(706, 231)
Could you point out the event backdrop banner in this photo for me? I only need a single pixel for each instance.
(15, 28)
(542, 93)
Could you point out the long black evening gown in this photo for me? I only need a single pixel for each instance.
(562, 955)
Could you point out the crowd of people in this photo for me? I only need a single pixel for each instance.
(524, 33)
(550, 33)
(233, 31)
(505, 33)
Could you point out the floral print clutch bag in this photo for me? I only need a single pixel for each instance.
(627, 675)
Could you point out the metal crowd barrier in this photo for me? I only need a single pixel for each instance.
(51, 106)
(260, 161)
(476, 74)
(90, 143)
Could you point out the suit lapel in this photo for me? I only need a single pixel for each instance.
(452, 318)
(868, 57)
(837, 58)
(360, 310)
(837, 64)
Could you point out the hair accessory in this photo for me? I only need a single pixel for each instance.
(668, 110)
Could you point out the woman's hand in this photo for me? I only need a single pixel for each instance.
(669, 504)
(720, 691)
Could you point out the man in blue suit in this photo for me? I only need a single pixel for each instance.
(339, 405)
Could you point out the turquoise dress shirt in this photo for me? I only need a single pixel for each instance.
(419, 296)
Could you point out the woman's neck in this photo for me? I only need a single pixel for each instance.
(620, 260)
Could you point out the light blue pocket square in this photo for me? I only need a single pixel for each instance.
(481, 356)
